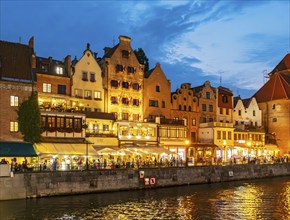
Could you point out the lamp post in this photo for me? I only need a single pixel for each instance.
(85, 126)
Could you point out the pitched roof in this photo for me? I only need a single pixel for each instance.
(109, 51)
(283, 65)
(246, 102)
(15, 62)
(236, 99)
(277, 87)
(148, 73)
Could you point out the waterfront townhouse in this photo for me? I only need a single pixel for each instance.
(16, 85)
(273, 100)
(123, 78)
(157, 89)
(185, 107)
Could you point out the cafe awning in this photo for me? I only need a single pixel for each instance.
(64, 149)
(17, 149)
(272, 147)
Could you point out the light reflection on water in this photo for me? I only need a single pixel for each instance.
(259, 199)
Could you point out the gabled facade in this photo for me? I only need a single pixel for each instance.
(246, 113)
(87, 82)
(16, 85)
(60, 115)
(224, 105)
(185, 107)
(123, 81)
(274, 100)
(157, 89)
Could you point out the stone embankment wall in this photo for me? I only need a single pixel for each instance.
(42, 184)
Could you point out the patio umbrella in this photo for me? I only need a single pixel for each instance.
(106, 151)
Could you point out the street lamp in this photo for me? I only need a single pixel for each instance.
(85, 126)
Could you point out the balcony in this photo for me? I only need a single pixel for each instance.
(170, 121)
(216, 124)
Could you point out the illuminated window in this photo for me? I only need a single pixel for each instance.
(193, 122)
(78, 93)
(13, 126)
(46, 87)
(97, 95)
(88, 94)
(59, 70)
(14, 100)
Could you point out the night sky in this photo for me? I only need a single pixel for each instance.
(229, 43)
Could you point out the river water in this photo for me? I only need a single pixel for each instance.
(255, 199)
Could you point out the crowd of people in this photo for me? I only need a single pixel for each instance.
(110, 162)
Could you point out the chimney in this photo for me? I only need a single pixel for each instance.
(33, 61)
(67, 62)
(31, 43)
(124, 39)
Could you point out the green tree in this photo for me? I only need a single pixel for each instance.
(142, 58)
(29, 119)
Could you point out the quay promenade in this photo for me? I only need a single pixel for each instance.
(23, 185)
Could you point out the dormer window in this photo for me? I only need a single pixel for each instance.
(125, 53)
(119, 68)
(59, 70)
(131, 69)
(44, 67)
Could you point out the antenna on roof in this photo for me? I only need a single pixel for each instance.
(113, 41)
(265, 77)
(221, 78)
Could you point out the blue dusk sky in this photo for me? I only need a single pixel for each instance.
(229, 42)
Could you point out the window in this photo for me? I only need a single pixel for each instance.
(125, 101)
(125, 116)
(69, 122)
(44, 67)
(240, 112)
(193, 122)
(202, 120)
(227, 111)
(125, 53)
(179, 107)
(88, 94)
(163, 104)
(77, 123)
(189, 108)
(184, 108)
(97, 95)
(105, 127)
(119, 68)
(92, 77)
(14, 100)
(136, 117)
(210, 108)
(153, 103)
(136, 102)
(13, 126)
(60, 122)
(224, 99)
(274, 119)
(114, 83)
(46, 87)
(115, 115)
(229, 135)
(114, 100)
(97, 110)
(59, 70)
(221, 111)
(125, 85)
(274, 106)
(157, 88)
(51, 122)
(203, 107)
(131, 69)
(224, 135)
(210, 120)
(61, 89)
(85, 76)
(207, 95)
(254, 113)
(136, 86)
(78, 93)
(219, 135)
